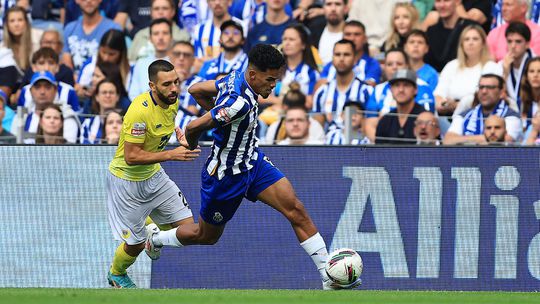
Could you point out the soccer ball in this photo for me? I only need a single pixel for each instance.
(344, 266)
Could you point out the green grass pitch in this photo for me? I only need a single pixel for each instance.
(209, 296)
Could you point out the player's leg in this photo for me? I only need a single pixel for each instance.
(126, 218)
(270, 186)
(201, 233)
(219, 201)
(281, 196)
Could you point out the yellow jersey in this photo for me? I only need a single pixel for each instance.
(144, 123)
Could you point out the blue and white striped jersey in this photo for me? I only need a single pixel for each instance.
(206, 38)
(336, 136)
(91, 130)
(382, 101)
(305, 75)
(367, 68)
(185, 99)
(235, 113)
(66, 95)
(250, 10)
(87, 70)
(211, 69)
(329, 100)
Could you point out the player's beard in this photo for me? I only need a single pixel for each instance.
(166, 99)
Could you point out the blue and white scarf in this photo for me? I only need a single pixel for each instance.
(473, 123)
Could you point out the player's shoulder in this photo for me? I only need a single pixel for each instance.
(140, 105)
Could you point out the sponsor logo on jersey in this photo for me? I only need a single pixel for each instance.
(223, 115)
(158, 126)
(138, 129)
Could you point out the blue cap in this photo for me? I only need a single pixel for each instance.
(46, 75)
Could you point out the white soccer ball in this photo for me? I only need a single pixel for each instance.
(344, 266)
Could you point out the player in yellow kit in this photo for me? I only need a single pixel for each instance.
(137, 186)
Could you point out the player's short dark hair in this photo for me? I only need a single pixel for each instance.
(159, 21)
(417, 33)
(45, 52)
(357, 24)
(157, 66)
(265, 57)
(345, 41)
(519, 28)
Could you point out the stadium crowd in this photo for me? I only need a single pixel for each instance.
(430, 72)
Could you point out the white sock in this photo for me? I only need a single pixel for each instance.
(316, 249)
(167, 238)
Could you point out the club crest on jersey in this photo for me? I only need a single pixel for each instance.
(217, 217)
(126, 234)
(138, 129)
(223, 115)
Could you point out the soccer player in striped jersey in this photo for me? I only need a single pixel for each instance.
(236, 167)
(330, 98)
(137, 186)
(233, 56)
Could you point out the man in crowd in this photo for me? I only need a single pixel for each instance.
(426, 129)
(512, 10)
(161, 38)
(518, 38)
(232, 57)
(468, 127)
(397, 127)
(82, 36)
(495, 129)
(297, 128)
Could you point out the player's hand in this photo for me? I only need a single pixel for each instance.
(184, 154)
(181, 137)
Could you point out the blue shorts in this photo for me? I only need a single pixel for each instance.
(221, 198)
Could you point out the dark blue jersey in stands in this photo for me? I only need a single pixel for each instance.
(266, 33)
(236, 116)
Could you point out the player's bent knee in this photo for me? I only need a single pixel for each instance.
(297, 213)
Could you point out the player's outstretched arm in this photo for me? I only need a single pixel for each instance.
(204, 93)
(195, 128)
(134, 154)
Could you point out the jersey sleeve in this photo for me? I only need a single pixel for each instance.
(134, 126)
(232, 109)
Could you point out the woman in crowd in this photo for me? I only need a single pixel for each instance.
(112, 125)
(459, 77)
(106, 70)
(301, 68)
(403, 20)
(112, 49)
(51, 126)
(106, 98)
(529, 93)
(20, 37)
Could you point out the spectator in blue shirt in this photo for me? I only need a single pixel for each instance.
(82, 36)
(271, 29)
